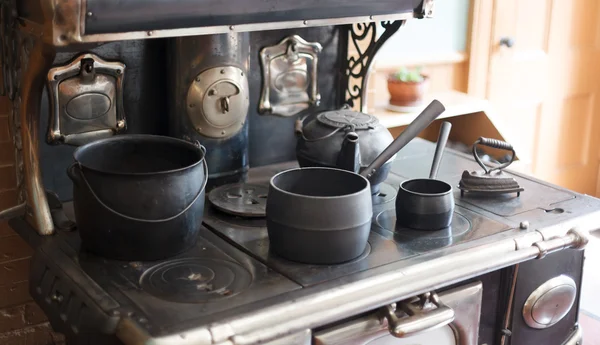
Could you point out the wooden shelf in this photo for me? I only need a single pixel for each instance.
(471, 118)
(456, 103)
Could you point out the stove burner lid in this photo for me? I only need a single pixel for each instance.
(244, 200)
(424, 240)
(343, 118)
(195, 280)
(387, 193)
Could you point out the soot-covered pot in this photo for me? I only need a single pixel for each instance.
(343, 139)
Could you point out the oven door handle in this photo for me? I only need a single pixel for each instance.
(418, 319)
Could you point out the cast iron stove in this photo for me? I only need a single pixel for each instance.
(231, 268)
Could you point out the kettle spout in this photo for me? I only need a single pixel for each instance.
(349, 156)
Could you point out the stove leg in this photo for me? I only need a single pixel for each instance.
(25, 67)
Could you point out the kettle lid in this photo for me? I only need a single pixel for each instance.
(345, 117)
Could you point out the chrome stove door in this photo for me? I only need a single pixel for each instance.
(454, 322)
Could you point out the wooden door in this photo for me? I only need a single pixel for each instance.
(543, 78)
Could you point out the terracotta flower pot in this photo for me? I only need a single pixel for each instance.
(407, 94)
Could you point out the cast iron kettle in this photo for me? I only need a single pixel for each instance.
(343, 139)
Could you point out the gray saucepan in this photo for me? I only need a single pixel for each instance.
(323, 215)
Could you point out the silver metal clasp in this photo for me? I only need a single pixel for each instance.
(416, 315)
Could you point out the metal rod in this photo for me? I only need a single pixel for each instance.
(439, 148)
(430, 113)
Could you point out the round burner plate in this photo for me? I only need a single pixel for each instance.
(243, 199)
(424, 240)
(195, 280)
(359, 258)
(386, 194)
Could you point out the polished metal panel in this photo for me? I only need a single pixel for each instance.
(464, 300)
(289, 76)
(550, 302)
(86, 98)
(218, 101)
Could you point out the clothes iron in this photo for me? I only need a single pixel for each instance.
(490, 181)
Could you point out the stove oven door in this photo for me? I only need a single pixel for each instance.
(373, 329)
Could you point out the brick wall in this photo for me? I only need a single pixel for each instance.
(22, 322)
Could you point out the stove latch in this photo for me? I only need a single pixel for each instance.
(86, 100)
(289, 77)
(217, 102)
(419, 314)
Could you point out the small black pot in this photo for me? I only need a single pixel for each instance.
(427, 203)
(424, 204)
(138, 197)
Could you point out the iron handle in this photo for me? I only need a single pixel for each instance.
(508, 42)
(496, 144)
(418, 321)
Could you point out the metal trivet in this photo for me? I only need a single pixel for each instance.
(421, 240)
(195, 280)
(490, 181)
(242, 199)
(386, 194)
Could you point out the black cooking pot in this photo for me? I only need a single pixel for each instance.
(138, 197)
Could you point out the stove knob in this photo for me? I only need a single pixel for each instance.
(550, 302)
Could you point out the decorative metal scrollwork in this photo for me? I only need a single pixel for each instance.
(362, 44)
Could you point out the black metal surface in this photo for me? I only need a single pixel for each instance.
(532, 274)
(140, 15)
(146, 85)
(227, 158)
(195, 280)
(466, 226)
(240, 199)
(539, 196)
(97, 292)
(138, 197)
(319, 215)
(254, 239)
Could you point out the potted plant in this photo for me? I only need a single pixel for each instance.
(407, 87)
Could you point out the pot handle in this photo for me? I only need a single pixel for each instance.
(78, 176)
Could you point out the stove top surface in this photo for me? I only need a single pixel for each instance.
(231, 267)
